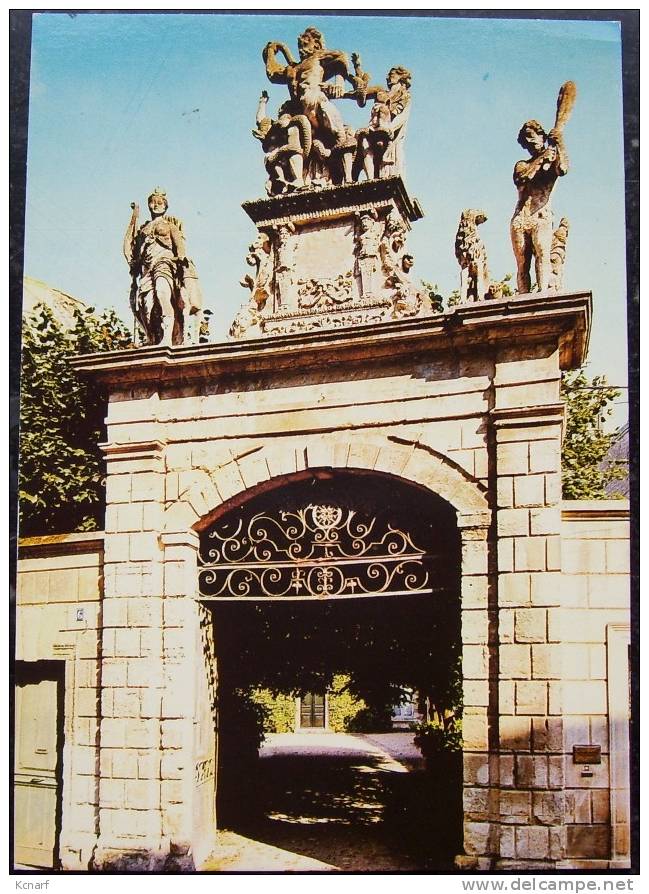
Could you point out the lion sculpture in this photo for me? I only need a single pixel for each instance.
(472, 257)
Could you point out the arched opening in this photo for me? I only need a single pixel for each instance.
(342, 587)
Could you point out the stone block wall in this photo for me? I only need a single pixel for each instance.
(585, 817)
(592, 626)
(58, 618)
(154, 662)
(527, 425)
(472, 414)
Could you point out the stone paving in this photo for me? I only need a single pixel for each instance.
(329, 802)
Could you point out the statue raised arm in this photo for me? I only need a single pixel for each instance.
(129, 235)
(317, 78)
(531, 225)
(276, 73)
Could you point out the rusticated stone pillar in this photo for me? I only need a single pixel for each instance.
(480, 780)
(153, 662)
(527, 422)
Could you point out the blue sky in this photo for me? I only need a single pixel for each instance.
(122, 103)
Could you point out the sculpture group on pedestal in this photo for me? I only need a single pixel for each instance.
(338, 257)
(308, 144)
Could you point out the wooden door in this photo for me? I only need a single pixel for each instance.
(312, 710)
(37, 764)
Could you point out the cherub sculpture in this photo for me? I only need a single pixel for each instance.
(397, 264)
(286, 143)
(558, 254)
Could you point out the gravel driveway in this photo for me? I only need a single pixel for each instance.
(332, 802)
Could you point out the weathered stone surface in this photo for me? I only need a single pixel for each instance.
(547, 734)
(591, 841)
(547, 662)
(165, 284)
(515, 661)
(477, 837)
(515, 807)
(515, 733)
(472, 257)
(385, 404)
(531, 697)
(531, 225)
(532, 842)
(548, 807)
(530, 771)
(530, 625)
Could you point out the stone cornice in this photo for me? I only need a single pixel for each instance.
(564, 319)
(594, 509)
(333, 201)
(514, 417)
(142, 450)
(60, 544)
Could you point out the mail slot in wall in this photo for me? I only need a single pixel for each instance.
(586, 754)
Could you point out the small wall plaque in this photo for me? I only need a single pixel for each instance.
(586, 754)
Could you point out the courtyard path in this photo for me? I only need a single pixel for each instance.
(330, 802)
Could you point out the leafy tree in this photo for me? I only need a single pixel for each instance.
(585, 443)
(60, 483)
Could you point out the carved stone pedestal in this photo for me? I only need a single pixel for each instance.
(330, 258)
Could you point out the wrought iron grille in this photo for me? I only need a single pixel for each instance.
(318, 551)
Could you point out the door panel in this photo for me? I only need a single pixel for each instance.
(36, 769)
(312, 710)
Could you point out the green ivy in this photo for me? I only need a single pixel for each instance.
(343, 705)
(434, 738)
(279, 710)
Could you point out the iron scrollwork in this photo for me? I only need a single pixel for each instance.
(320, 551)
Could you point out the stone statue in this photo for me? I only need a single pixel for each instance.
(285, 267)
(531, 225)
(165, 294)
(472, 257)
(397, 264)
(369, 230)
(247, 322)
(330, 154)
(558, 254)
(260, 257)
(380, 144)
(286, 143)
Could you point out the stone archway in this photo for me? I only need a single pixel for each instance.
(328, 574)
(205, 495)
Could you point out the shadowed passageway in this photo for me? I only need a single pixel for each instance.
(327, 802)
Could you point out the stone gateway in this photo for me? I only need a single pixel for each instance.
(338, 370)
